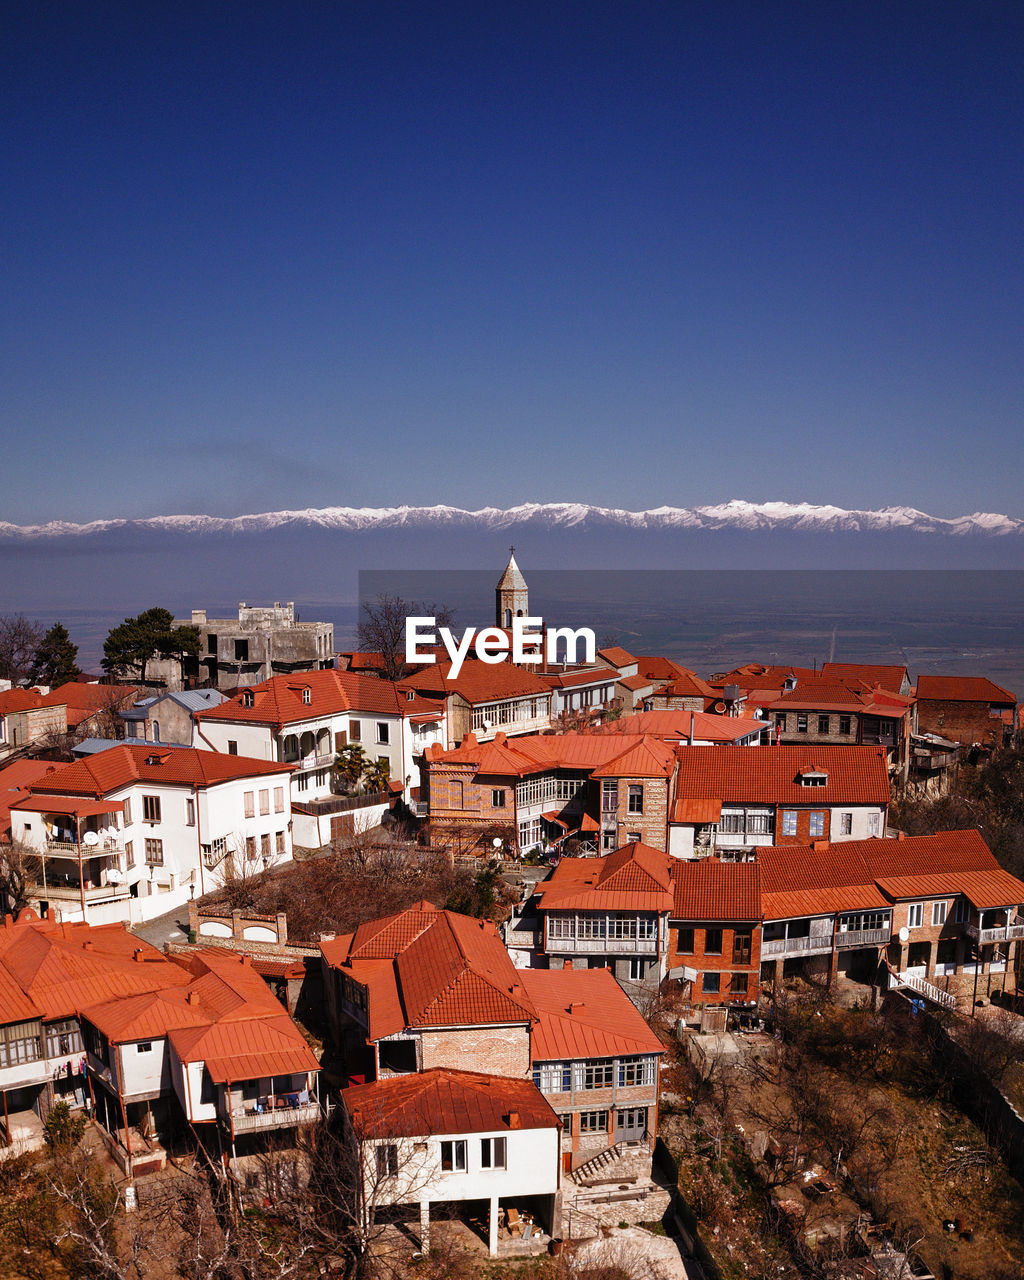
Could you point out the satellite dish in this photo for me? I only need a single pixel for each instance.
(904, 934)
(113, 876)
(497, 842)
(487, 726)
(90, 839)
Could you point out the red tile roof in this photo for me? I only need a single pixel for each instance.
(62, 968)
(688, 685)
(19, 700)
(243, 1050)
(633, 878)
(878, 675)
(573, 679)
(714, 890)
(478, 681)
(962, 689)
(537, 753)
(675, 724)
(616, 656)
(441, 1101)
(424, 967)
(634, 683)
(770, 775)
(15, 782)
(84, 700)
(860, 874)
(123, 764)
(659, 669)
(279, 700)
(584, 1013)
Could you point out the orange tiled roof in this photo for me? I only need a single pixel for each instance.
(19, 700)
(279, 700)
(536, 753)
(770, 775)
(584, 1013)
(872, 673)
(659, 669)
(714, 890)
(961, 689)
(634, 683)
(616, 656)
(633, 878)
(256, 1048)
(15, 782)
(676, 724)
(442, 1101)
(424, 967)
(478, 681)
(62, 968)
(688, 685)
(124, 764)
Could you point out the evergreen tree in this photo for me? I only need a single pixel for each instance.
(55, 661)
(129, 646)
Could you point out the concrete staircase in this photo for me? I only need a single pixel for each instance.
(627, 1161)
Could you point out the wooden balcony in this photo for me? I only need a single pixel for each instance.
(773, 948)
(1000, 933)
(278, 1118)
(602, 946)
(864, 937)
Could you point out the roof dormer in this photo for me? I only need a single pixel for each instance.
(248, 699)
(307, 695)
(812, 776)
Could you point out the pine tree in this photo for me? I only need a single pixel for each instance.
(56, 660)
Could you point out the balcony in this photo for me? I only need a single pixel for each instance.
(864, 937)
(71, 891)
(1001, 933)
(602, 946)
(772, 948)
(278, 1118)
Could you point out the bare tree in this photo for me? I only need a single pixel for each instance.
(382, 629)
(19, 872)
(20, 637)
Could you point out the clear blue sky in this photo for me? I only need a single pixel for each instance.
(362, 253)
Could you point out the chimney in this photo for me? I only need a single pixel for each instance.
(566, 964)
(8, 921)
(246, 960)
(515, 1120)
(137, 954)
(819, 845)
(901, 835)
(193, 997)
(87, 944)
(574, 1005)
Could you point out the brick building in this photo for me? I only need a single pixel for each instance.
(715, 931)
(966, 709)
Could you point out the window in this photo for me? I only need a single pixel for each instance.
(607, 839)
(593, 1122)
(264, 802)
(247, 698)
(129, 853)
(279, 842)
(915, 915)
(637, 970)
(801, 722)
(738, 984)
(684, 943)
(190, 812)
(410, 695)
(711, 984)
(154, 853)
(498, 798)
(597, 1075)
(813, 779)
(759, 823)
(553, 1077)
(741, 948)
(609, 795)
(732, 822)
(307, 696)
(846, 824)
(492, 1153)
(635, 803)
(712, 942)
(249, 800)
(242, 652)
(383, 732)
(939, 910)
(453, 1157)
(387, 1160)
(150, 808)
(789, 822)
(844, 724)
(632, 837)
(355, 731)
(823, 724)
(232, 747)
(128, 812)
(780, 720)
(144, 1046)
(816, 826)
(874, 823)
(961, 911)
(279, 799)
(156, 730)
(635, 1071)
(250, 848)
(265, 846)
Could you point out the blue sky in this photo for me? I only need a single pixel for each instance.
(368, 253)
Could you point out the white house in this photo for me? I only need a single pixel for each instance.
(129, 833)
(304, 720)
(444, 1136)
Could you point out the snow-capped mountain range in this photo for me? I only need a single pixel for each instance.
(798, 517)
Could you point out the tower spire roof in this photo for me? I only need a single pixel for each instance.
(512, 579)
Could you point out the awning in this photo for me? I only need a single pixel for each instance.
(589, 824)
(553, 817)
(426, 717)
(74, 806)
(699, 810)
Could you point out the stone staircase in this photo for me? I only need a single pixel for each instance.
(626, 1161)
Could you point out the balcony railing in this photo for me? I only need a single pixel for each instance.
(278, 1118)
(864, 937)
(73, 892)
(603, 946)
(1000, 933)
(795, 946)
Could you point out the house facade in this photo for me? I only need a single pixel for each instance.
(263, 641)
(714, 932)
(966, 709)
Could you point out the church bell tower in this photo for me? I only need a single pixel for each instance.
(512, 597)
